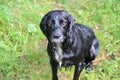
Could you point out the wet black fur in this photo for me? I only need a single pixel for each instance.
(78, 42)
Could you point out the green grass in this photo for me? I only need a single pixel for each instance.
(23, 53)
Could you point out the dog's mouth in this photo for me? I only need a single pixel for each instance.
(57, 40)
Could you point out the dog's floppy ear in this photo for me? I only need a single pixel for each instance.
(43, 25)
(71, 23)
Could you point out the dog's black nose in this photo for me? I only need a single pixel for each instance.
(56, 37)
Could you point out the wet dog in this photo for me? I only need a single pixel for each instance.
(69, 43)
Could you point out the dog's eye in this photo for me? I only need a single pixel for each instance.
(50, 23)
(63, 22)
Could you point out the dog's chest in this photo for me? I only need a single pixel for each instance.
(58, 54)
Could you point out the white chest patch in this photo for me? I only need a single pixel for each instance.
(58, 54)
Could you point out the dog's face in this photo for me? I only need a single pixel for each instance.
(56, 24)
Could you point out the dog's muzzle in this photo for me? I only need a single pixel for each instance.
(57, 37)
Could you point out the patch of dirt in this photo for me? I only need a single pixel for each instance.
(43, 44)
(58, 6)
(102, 57)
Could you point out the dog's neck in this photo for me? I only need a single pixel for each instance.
(58, 53)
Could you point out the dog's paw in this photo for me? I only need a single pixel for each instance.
(88, 67)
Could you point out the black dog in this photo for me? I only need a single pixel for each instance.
(68, 43)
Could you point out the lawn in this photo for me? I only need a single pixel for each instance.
(23, 53)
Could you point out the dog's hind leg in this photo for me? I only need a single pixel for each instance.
(94, 50)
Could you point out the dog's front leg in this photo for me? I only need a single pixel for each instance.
(54, 68)
(78, 68)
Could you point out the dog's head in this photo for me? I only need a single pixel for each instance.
(57, 25)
